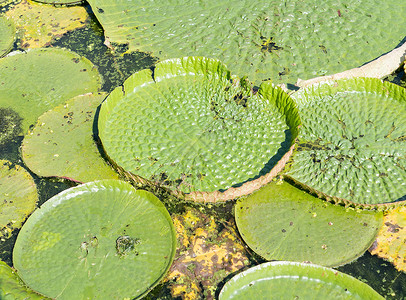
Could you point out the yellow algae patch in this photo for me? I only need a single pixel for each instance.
(208, 252)
(38, 24)
(390, 243)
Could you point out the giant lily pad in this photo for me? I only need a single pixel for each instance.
(261, 39)
(38, 24)
(352, 143)
(35, 81)
(62, 143)
(100, 240)
(11, 286)
(288, 280)
(390, 243)
(18, 197)
(7, 35)
(192, 128)
(60, 1)
(281, 222)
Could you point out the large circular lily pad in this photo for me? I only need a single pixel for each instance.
(11, 286)
(62, 142)
(352, 144)
(193, 128)
(281, 40)
(35, 81)
(281, 222)
(100, 240)
(18, 197)
(7, 35)
(288, 280)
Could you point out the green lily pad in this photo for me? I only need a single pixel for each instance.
(296, 226)
(18, 197)
(193, 128)
(289, 280)
(62, 144)
(7, 35)
(99, 240)
(60, 1)
(259, 38)
(11, 286)
(352, 143)
(35, 81)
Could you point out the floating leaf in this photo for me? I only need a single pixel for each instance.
(391, 240)
(11, 286)
(289, 280)
(38, 24)
(260, 39)
(62, 142)
(194, 129)
(60, 1)
(18, 197)
(7, 35)
(35, 81)
(207, 253)
(281, 222)
(352, 143)
(100, 240)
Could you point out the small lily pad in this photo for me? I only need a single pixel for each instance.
(390, 243)
(62, 143)
(99, 240)
(352, 144)
(193, 128)
(289, 280)
(18, 197)
(11, 286)
(38, 24)
(7, 35)
(35, 81)
(281, 222)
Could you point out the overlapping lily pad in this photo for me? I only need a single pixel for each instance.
(35, 81)
(18, 197)
(281, 222)
(191, 127)
(260, 39)
(62, 143)
(288, 280)
(38, 24)
(11, 286)
(352, 144)
(7, 35)
(100, 240)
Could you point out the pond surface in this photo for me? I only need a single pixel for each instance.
(115, 67)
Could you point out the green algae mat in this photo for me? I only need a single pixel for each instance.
(288, 280)
(62, 142)
(263, 39)
(193, 128)
(281, 222)
(35, 81)
(352, 143)
(99, 240)
(18, 197)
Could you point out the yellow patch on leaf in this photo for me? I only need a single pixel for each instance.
(38, 24)
(390, 243)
